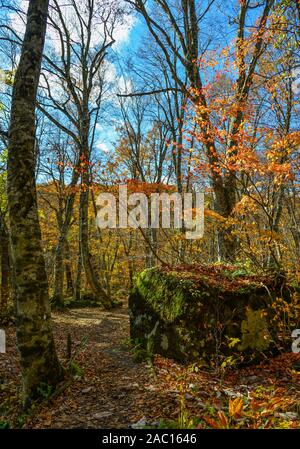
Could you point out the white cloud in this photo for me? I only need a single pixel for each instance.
(102, 147)
(118, 82)
(121, 32)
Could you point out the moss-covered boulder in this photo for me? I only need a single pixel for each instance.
(199, 311)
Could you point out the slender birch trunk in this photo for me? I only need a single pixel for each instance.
(40, 366)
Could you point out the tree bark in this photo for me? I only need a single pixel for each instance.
(77, 287)
(5, 265)
(58, 297)
(68, 271)
(90, 274)
(91, 277)
(40, 366)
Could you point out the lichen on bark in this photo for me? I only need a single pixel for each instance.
(40, 366)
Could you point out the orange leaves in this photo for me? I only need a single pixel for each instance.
(135, 186)
(221, 423)
(282, 145)
(236, 407)
(222, 419)
(214, 215)
(235, 411)
(267, 401)
(245, 205)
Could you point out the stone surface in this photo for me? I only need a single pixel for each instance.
(188, 314)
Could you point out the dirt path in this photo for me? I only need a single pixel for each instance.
(113, 390)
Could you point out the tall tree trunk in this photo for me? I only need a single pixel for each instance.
(90, 274)
(57, 298)
(68, 271)
(40, 366)
(91, 277)
(5, 265)
(59, 251)
(77, 287)
(61, 267)
(225, 199)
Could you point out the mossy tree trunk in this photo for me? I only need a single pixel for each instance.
(40, 365)
(5, 264)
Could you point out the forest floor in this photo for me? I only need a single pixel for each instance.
(111, 390)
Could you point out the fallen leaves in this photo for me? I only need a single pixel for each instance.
(264, 396)
(236, 407)
(115, 392)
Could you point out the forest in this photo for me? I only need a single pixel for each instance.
(149, 214)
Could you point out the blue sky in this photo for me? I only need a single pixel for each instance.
(129, 40)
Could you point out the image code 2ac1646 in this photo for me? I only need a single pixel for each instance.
(151, 438)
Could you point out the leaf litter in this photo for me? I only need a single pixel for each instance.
(111, 390)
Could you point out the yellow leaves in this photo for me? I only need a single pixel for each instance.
(213, 214)
(233, 342)
(7, 77)
(269, 235)
(246, 205)
(236, 407)
(41, 214)
(282, 145)
(285, 315)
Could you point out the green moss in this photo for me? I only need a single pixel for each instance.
(246, 290)
(237, 273)
(165, 293)
(4, 425)
(186, 317)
